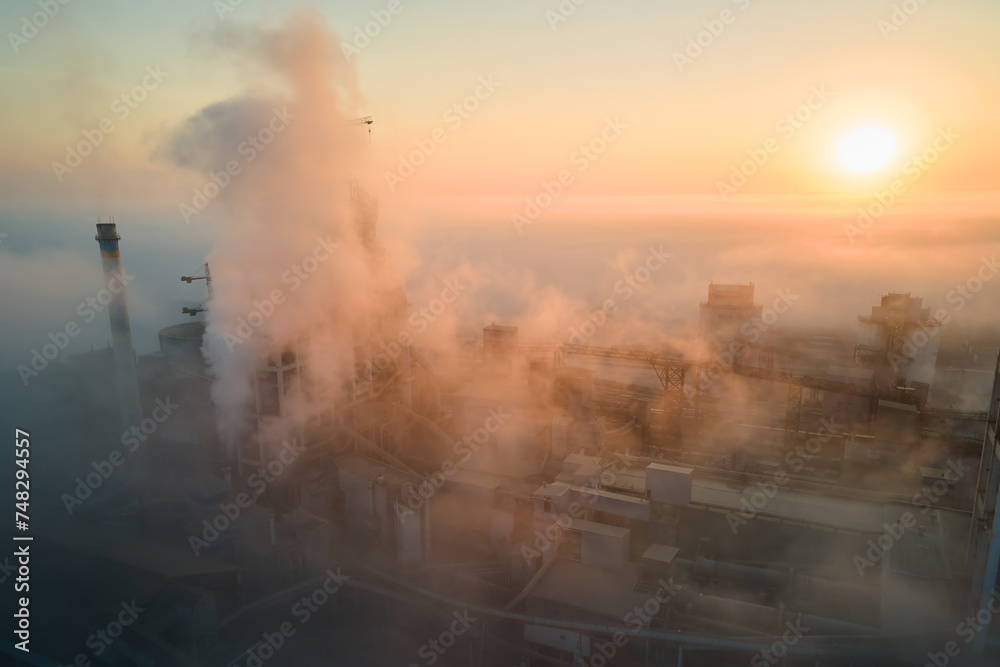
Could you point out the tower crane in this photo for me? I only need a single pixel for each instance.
(365, 120)
(208, 285)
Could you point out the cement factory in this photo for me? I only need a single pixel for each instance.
(776, 498)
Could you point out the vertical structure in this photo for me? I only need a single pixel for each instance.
(984, 547)
(121, 332)
(671, 376)
(793, 413)
(900, 340)
(499, 346)
(279, 381)
(728, 309)
(366, 211)
(286, 385)
(668, 488)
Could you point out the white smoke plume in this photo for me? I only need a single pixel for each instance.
(293, 268)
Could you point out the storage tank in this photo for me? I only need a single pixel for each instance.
(180, 345)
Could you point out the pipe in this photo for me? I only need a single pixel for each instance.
(121, 332)
(841, 647)
(376, 450)
(387, 459)
(530, 586)
(407, 388)
(793, 584)
(436, 430)
(764, 618)
(622, 430)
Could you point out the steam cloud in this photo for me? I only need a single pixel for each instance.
(293, 267)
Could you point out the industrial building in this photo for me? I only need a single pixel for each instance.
(984, 546)
(728, 310)
(807, 503)
(900, 338)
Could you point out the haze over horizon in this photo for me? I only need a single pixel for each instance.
(743, 177)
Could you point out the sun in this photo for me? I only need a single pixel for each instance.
(865, 149)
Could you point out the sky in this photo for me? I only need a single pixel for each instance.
(712, 127)
(557, 84)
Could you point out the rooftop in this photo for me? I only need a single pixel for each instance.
(607, 593)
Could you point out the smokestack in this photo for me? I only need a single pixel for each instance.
(121, 332)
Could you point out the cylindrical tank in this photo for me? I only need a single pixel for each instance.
(180, 345)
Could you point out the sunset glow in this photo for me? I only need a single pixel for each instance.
(866, 149)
